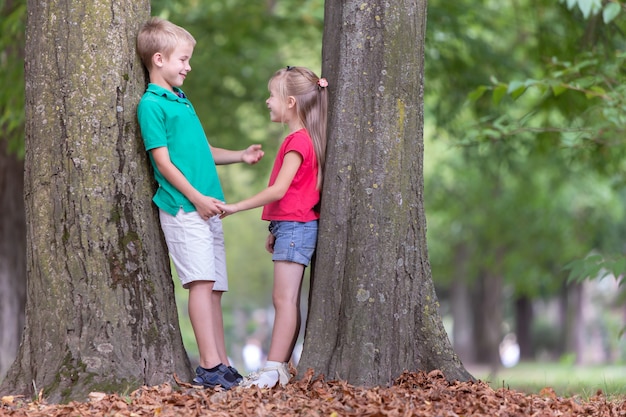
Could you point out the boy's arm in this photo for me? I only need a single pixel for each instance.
(205, 205)
(251, 155)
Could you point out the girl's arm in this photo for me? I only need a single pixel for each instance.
(251, 155)
(205, 205)
(274, 192)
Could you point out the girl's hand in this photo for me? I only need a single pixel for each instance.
(269, 243)
(226, 209)
(252, 154)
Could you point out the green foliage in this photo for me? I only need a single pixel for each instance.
(580, 105)
(12, 23)
(597, 266)
(531, 107)
(610, 10)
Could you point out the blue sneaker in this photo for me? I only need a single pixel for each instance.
(235, 372)
(208, 379)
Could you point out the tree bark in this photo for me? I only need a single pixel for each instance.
(100, 311)
(12, 256)
(373, 312)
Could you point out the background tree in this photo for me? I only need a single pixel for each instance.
(372, 281)
(100, 313)
(527, 170)
(12, 223)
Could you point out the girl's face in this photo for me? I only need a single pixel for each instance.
(171, 71)
(281, 111)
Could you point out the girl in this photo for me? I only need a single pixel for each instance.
(298, 98)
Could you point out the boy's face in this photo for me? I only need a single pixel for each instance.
(171, 71)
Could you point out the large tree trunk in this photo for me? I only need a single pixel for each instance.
(12, 256)
(100, 311)
(373, 309)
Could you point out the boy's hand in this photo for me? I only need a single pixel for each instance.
(207, 207)
(252, 154)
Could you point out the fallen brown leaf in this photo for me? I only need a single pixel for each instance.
(413, 394)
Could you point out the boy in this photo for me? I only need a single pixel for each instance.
(184, 167)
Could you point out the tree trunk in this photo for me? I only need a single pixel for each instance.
(100, 312)
(373, 312)
(12, 256)
(461, 306)
(524, 317)
(488, 308)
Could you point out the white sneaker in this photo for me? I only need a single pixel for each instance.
(269, 376)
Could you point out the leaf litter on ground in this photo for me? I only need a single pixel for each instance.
(412, 394)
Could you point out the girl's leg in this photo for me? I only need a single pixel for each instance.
(204, 323)
(286, 297)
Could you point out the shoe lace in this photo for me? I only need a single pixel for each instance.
(256, 375)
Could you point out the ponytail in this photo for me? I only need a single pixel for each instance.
(311, 94)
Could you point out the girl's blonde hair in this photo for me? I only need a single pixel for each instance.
(160, 35)
(311, 104)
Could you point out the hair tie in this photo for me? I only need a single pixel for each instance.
(322, 82)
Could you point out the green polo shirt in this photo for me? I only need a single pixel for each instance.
(168, 120)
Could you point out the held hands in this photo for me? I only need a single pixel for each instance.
(252, 154)
(226, 209)
(207, 207)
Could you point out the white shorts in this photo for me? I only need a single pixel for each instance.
(196, 247)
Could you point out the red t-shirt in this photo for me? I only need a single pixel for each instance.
(298, 202)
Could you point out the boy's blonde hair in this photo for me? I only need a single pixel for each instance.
(311, 104)
(160, 35)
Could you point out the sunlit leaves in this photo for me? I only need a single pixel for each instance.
(610, 11)
(588, 8)
(597, 266)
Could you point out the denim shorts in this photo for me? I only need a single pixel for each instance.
(196, 247)
(295, 241)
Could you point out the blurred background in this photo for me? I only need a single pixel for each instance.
(524, 169)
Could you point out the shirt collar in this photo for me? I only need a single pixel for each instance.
(177, 94)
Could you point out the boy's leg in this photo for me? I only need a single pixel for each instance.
(209, 332)
(205, 326)
(286, 297)
(221, 285)
(192, 245)
(218, 320)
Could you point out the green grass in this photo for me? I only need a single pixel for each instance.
(567, 380)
